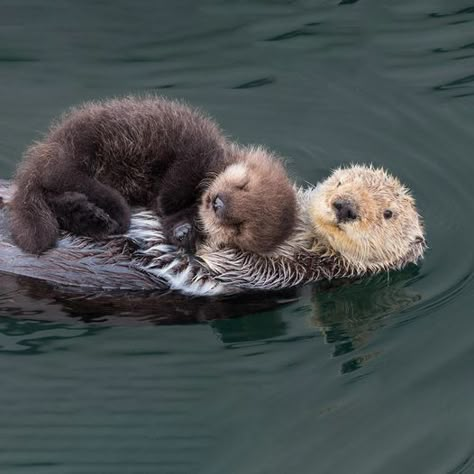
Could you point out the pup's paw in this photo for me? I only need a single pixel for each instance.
(183, 235)
(76, 214)
(95, 222)
(181, 232)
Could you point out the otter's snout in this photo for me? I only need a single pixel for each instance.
(218, 205)
(345, 210)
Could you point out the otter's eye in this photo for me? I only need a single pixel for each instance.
(387, 214)
(244, 186)
(338, 184)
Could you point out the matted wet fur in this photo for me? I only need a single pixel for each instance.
(102, 157)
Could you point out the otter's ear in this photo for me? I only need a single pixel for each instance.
(417, 249)
(419, 244)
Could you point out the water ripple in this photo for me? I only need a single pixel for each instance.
(465, 465)
(264, 81)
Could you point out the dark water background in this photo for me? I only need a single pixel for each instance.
(373, 377)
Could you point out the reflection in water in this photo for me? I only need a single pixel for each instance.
(349, 313)
(34, 337)
(346, 312)
(21, 294)
(258, 327)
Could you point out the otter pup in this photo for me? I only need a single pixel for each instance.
(102, 157)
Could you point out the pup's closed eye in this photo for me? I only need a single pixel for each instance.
(243, 186)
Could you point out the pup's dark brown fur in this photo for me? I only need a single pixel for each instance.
(101, 157)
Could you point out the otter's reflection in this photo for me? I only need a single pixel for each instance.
(29, 298)
(348, 313)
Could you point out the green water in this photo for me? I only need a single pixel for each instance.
(372, 377)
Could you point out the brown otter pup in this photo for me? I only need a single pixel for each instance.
(102, 157)
(246, 206)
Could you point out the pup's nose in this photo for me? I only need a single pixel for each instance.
(345, 210)
(218, 204)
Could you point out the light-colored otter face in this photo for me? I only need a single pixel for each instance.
(368, 217)
(250, 205)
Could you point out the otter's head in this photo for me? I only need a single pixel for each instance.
(251, 204)
(368, 217)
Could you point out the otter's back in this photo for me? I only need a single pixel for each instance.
(130, 142)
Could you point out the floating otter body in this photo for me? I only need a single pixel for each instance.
(102, 157)
(329, 242)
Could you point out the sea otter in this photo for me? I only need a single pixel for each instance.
(330, 241)
(104, 156)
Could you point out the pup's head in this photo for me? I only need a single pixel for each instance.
(251, 204)
(369, 217)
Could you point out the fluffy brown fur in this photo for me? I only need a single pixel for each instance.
(256, 212)
(103, 156)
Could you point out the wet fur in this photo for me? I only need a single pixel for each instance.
(102, 157)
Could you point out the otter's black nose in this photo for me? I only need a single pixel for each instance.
(218, 204)
(345, 211)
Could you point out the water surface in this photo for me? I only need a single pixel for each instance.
(369, 377)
